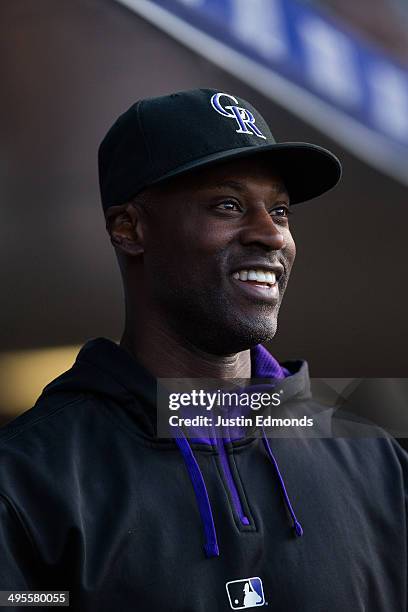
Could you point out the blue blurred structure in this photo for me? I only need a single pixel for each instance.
(303, 59)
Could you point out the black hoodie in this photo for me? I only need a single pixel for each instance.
(92, 502)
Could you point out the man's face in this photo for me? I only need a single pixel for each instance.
(205, 233)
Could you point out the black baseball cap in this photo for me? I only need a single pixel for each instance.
(158, 138)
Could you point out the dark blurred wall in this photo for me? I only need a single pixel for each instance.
(68, 69)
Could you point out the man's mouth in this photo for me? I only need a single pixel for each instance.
(258, 282)
(258, 277)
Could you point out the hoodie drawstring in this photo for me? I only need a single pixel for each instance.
(204, 506)
(296, 525)
(211, 545)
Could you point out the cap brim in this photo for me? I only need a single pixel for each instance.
(306, 169)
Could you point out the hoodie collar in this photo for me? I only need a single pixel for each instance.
(105, 369)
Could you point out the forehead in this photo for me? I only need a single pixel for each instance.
(251, 173)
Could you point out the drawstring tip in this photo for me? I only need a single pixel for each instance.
(298, 528)
(211, 550)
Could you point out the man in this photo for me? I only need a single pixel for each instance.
(197, 197)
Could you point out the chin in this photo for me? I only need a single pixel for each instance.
(259, 335)
(243, 335)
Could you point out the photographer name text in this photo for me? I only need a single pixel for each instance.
(248, 421)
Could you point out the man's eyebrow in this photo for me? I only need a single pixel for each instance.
(232, 184)
(242, 187)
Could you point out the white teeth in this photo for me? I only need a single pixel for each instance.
(262, 276)
(270, 277)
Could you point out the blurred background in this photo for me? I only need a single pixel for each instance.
(332, 72)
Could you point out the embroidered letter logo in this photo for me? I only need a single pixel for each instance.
(245, 593)
(243, 117)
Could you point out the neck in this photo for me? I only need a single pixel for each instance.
(165, 356)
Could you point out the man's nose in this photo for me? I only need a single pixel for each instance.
(260, 228)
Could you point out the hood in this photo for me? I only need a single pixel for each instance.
(106, 370)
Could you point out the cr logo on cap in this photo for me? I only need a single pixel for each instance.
(244, 117)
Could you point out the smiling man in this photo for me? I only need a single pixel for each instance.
(197, 197)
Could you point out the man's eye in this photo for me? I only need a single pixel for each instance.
(228, 205)
(282, 211)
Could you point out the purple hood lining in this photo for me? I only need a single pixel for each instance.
(264, 365)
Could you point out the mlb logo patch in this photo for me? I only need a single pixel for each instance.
(245, 593)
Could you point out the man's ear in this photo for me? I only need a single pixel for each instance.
(124, 226)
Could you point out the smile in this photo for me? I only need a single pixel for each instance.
(257, 283)
(264, 277)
